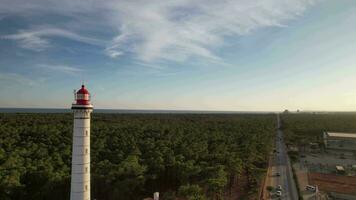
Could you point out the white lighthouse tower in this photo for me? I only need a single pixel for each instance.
(80, 180)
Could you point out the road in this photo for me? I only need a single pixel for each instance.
(280, 164)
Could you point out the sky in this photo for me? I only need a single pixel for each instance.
(226, 55)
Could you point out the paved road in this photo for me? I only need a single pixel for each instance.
(281, 164)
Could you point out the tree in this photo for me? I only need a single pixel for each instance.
(191, 192)
(217, 181)
(134, 155)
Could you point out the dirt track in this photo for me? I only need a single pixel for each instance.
(333, 183)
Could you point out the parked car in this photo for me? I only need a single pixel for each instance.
(277, 174)
(310, 188)
(279, 188)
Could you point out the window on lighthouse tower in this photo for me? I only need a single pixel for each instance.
(86, 133)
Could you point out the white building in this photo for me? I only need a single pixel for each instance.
(80, 178)
(335, 140)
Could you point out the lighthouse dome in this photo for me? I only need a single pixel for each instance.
(82, 96)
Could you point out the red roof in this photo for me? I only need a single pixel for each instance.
(83, 90)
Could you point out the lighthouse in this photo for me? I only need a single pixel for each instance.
(80, 179)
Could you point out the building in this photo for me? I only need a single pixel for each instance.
(344, 141)
(80, 176)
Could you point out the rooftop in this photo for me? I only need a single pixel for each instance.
(344, 135)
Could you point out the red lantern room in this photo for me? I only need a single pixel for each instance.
(82, 96)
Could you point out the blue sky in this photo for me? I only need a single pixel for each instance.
(242, 55)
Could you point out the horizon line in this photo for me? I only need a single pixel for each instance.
(177, 110)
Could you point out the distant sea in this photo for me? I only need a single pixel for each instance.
(123, 111)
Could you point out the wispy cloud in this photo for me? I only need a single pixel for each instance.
(180, 30)
(113, 53)
(29, 41)
(15, 78)
(38, 39)
(61, 68)
(157, 30)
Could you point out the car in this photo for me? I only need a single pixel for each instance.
(310, 188)
(278, 193)
(277, 174)
(279, 188)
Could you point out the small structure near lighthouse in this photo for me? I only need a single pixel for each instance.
(80, 176)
